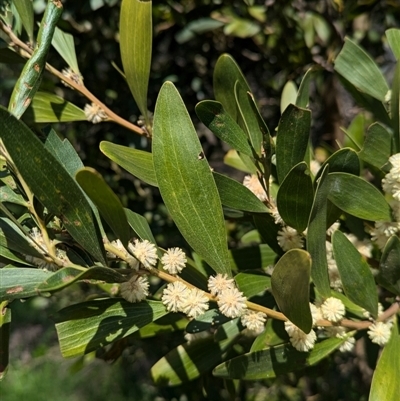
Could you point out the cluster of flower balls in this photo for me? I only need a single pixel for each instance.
(180, 297)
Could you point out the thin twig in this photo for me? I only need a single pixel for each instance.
(26, 52)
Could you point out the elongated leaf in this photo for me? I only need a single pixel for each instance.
(5, 323)
(303, 94)
(136, 33)
(50, 108)
(29, 81)
(295, 197)
(252, 257)
(357, 197)
(18, 283)
(166, 324)
(385, 384)
(233, 159)
(268, 230)
(393, 37)
(51, 183)
(274, 361)
(247, 119)
(252, 282)
(316, 236)
(237, 196)
(377, 146)
(137, 162)
(197, 27)
(140, 226)
(64, 44)
(12, 238)
(395, 108)
(290, 283)
(355, 274)
(25, 11)
(289, 95)
(187, 362)
(226, 73)
(8, 255)
(292, 139)
(69, 275)
(355, 65)
(214, 117)
(84, 327)
(389, 266)
(186, 182)
(106, 201)
(8, 195)
(67, 156)
(344, 160)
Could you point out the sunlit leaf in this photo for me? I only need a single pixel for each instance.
(357, 66)
(137, 162)
(84, 327)
(140, 226)
(64, 44)
(393, 38)
(252, 282)
(136, 34)
(186, 182)
(289, 95)
(25, 11)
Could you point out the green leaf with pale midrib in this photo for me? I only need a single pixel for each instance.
(186, 182)
(64, 44)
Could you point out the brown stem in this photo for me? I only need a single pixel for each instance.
(27, 53)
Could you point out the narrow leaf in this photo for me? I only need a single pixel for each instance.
(18, 283)
(289, 95)
(51, 183)
(137, 162)
(355, 274)
(25, 11)
(303, 94)
(64, 44)
(136, 33)
(290, 283)
(274, 361)
(106, 201)
(50, 108)
(226, 73)
(140, 226)
(295, 197)
(358, 197)
(393, 37)
(214, 117)
(316, 236)
(186, 182)
(355, 65)
(292, 139)
(236, 196)
(385, 381)
(84, 327)
(68, 275)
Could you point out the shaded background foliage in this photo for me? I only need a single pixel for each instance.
(273, 42)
